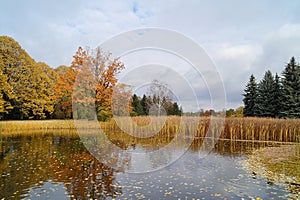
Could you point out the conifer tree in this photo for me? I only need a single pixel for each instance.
(136, 105)
(291, 90)
(277, 97)
(265, 96)
(144, 105)
(250, 97)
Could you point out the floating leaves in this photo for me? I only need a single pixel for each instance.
(59, 167)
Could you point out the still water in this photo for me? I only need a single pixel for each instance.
(58, 166)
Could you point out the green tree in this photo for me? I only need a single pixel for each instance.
(250, 97)
(265, 96)
(230, 112)
(291, 90)
(176, 109)
(277, 97)
(144, 105)
(136, 105)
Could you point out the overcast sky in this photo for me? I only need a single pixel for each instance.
(241, 37)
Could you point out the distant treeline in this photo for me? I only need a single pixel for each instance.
(277, 96)
(142, 105)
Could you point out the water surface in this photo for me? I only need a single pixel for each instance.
(58, 166)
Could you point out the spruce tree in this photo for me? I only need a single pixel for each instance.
(144, 104)
(277, 97)
(265, 96)
(291, 90)
(136, 105)
(250, 96)
(176, 109)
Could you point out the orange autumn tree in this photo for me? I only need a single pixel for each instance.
(63, 92)
(95, 73)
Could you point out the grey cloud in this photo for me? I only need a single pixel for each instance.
(243, 37)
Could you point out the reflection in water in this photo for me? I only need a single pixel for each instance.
(58, 166)
(24, 164)
(29, 161)
(83, 175)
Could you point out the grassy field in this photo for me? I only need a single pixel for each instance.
(261, 129)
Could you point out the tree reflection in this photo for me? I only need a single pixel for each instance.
(83, 175)
(23, 164)
(29, 161)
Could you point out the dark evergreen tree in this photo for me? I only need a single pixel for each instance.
(265, 96)
(277, 97)
(176, 109)
(144, 104)
(291, 90)
(141, 105)
(136, 105)
(250, 97)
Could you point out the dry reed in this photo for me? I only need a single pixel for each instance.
(234, 129)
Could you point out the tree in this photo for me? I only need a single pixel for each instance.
(6, 92)
(27, 94)
(160, 94)
(265, 96)
(136, 105)
(106, 70)
(63, 90)
(97, 72)
(239, 111)
(122, 101)
(43, 82)
(176, 109)
(144, 105)
(230, 112)
(250, 97)
(291, 90)
(277, 97)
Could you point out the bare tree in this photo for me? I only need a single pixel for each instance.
(160, 94)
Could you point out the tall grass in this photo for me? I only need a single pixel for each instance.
(234, 129)
(35, 125)
(262, 129)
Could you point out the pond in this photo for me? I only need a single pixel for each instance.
(58, 166)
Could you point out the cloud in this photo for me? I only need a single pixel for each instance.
(279, 47)
(235, 64)
(52, 31)
(241, 37)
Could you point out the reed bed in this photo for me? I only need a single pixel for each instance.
(234, 129)
(10, 127)
(262, 129)
(44, 126)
